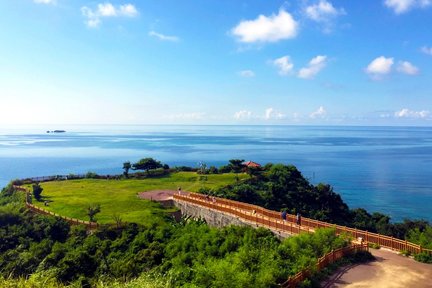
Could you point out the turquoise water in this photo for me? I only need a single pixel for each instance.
(385, 169)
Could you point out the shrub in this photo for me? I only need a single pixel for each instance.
(423, 257)
(213, 170)
(185, 169)
(91, 175)
(374, 245)
(37, 191)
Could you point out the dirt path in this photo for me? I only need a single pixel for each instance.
(389, 270)
(158, 195)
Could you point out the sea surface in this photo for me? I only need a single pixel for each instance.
(383, 169)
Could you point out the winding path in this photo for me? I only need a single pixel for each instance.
(389, 270)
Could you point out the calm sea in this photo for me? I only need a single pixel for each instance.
(385, 169)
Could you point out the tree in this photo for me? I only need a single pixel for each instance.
(126, 166)
(92, 211)
(118, 220)
(37, 191)
(202, 168)
(236, 165)
(146, 164)
(253, 171)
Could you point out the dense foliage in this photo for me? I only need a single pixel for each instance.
(184, 254)
(283, 187)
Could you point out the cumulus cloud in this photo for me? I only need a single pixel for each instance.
(271, 113)
(426, 50)
(128, 10)
(319, 113)
(379, 66)
(243, 115)
(163, 37)
(406, 113)
(246, 73)
(406, 67)
(323, 11)
(284, 65)
(402, 6)
(93, 17)
(267, 28)
(45, 1)
(315, 65)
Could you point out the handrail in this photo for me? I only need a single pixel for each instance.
(274, 221)
(322, 262)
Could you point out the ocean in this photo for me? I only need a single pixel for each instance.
(381, 169)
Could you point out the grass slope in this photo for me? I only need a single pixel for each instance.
(119, 197)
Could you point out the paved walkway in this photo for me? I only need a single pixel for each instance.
(390, 270)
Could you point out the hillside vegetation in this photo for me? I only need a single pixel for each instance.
(184, 254)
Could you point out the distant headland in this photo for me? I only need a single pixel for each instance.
(56, 131)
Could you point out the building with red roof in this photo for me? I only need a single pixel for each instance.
(251, 164)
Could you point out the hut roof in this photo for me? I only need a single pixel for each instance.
(251, 164)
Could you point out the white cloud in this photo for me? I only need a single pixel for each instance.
(406, 67)
(406, 113)
(163, 37)
(426, 50)
(128, 10)
(379, 67)
(93, 17)
(284, 65)
(267, 29)
(247, 73)
(45, 1)
(315, 65)
(243, 115)
(319, 113)
(270, 113)
(323, 11)
(106, 10)
(402, 6)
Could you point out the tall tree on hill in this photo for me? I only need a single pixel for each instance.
(146, 164)
(126, 166)
(37, 191)
(236, 165)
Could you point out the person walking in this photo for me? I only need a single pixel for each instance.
(298, 219)
(284, 215)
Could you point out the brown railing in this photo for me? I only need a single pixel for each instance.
(322, 262)
(272, 219)
(39, 210)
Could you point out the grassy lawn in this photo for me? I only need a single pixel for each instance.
(119, 197)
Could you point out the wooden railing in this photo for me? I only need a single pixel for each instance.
(323, 262)
(272, 219)
(39, 210)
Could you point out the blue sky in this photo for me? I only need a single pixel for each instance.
(216, 62)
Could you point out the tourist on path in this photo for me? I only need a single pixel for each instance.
(298, 219)
(284, 215)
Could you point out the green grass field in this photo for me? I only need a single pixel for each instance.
(119, 197)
